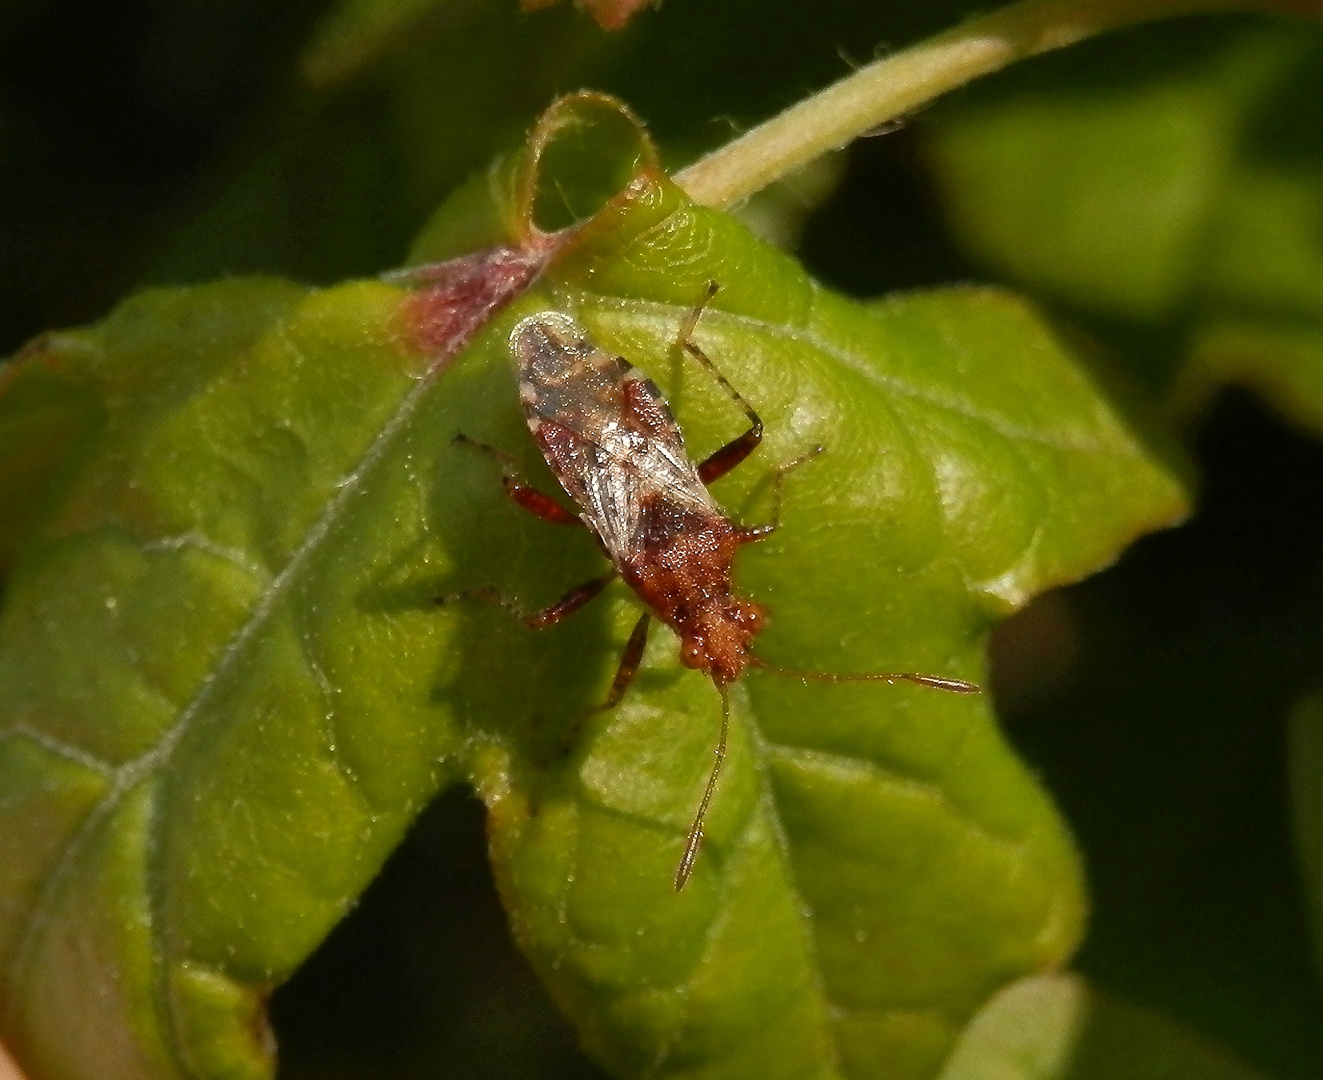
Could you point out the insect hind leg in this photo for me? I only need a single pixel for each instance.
(534, 501)
(725, 458)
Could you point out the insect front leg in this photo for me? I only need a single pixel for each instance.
(722, 460)
(527, 496)
(553, 613)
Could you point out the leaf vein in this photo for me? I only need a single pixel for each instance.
(836, 351)
(59, 747)
(331, 716)
(199, 541)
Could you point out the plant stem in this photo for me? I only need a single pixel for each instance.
(900, 83)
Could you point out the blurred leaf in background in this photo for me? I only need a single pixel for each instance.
(1163, 180)
(1305, 749)
(1055, 1027)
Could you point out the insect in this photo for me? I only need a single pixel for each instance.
(613, 444)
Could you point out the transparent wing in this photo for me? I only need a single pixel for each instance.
(605, 430)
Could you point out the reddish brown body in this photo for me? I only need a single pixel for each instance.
(615, 448)
(612, 442)
(682, 571)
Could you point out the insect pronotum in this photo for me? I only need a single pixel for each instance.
(617, 451)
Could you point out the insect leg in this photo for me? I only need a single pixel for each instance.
(722, 460)
(553, 613)
(490, 593)
(568, 604)
(757, 532)
(629, 663)
(695, 838)
(527, 496)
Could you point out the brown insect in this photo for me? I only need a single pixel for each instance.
(617, 451)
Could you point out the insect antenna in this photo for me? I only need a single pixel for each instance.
(695, 838)
(936, 682)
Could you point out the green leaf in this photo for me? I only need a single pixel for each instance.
(931, 403)
(1099, 194)
(1055, 1027)
(225, 687)
(1281, 362)
(1109, 191)
(1265, 327)
(1305, 763)
(1170, 178)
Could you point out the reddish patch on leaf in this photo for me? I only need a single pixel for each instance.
(458, 298)
(610, 14)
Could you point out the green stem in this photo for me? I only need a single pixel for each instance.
(900, 83)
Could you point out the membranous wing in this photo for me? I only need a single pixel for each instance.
(605, 430)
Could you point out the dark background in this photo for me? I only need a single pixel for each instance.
(149, 141)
